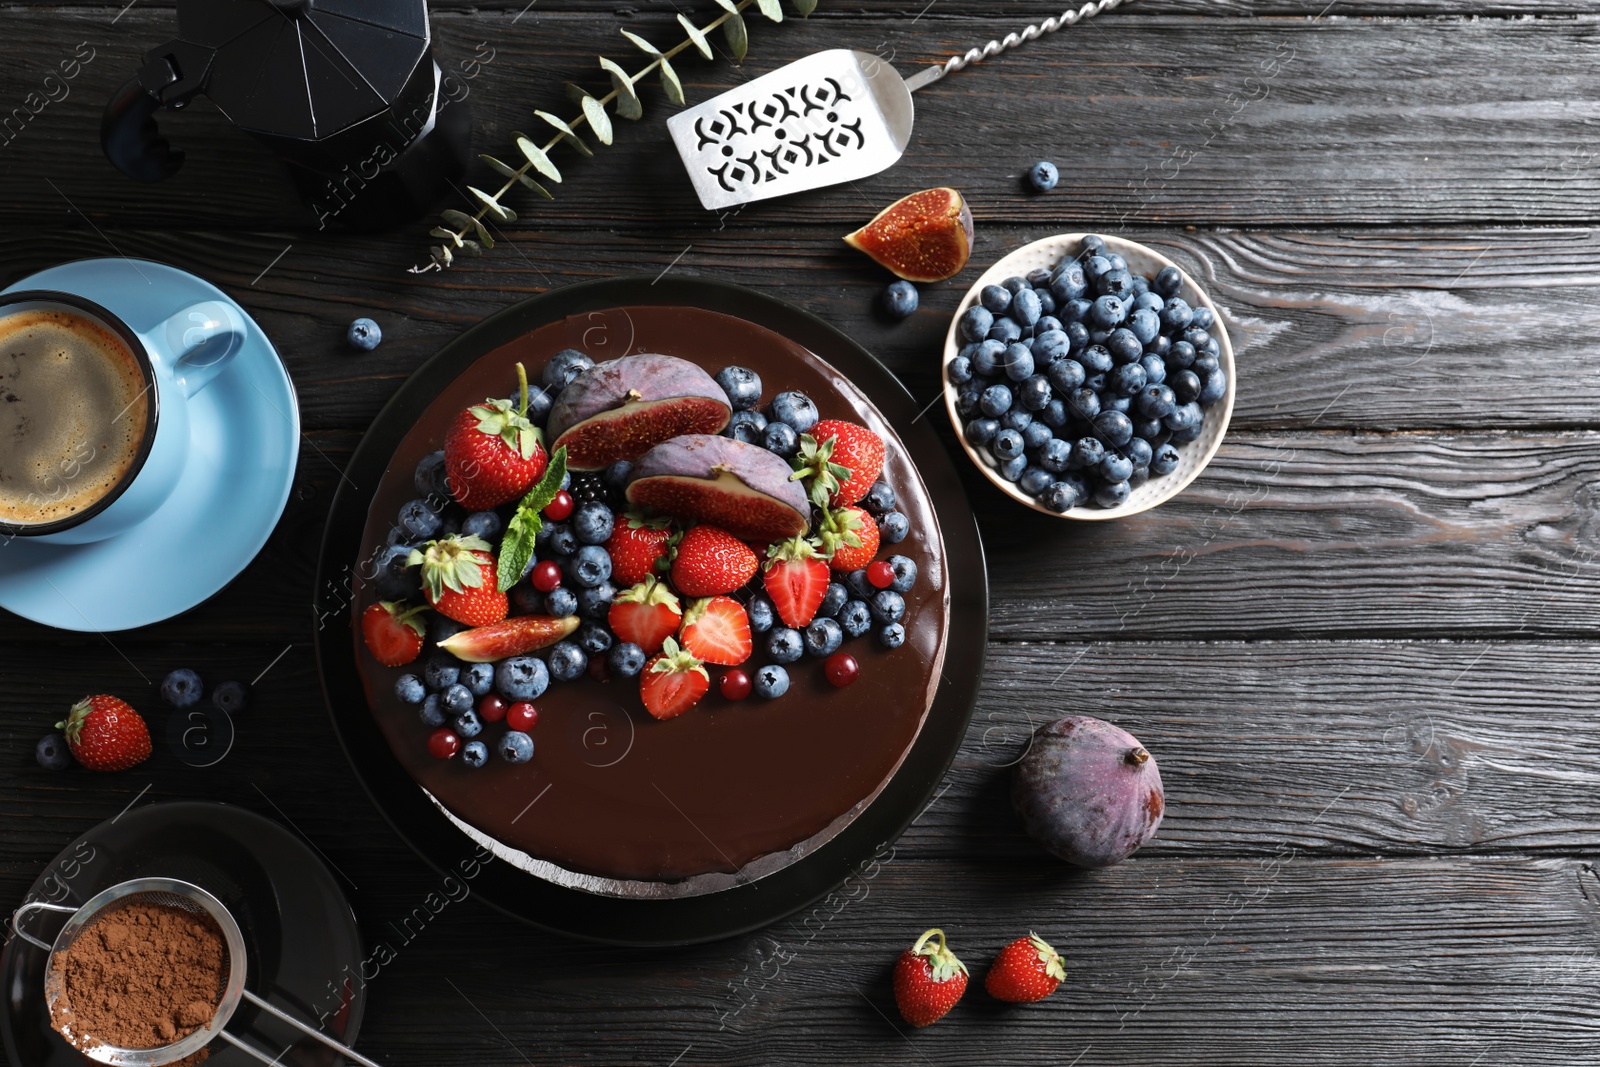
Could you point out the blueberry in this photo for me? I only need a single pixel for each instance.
(1176, 315)
(975, 322)
(1114, 467)
(1124, 346)
(593, 522)
(592, 564)
(905, 573)
(1184, 416)
(1153, 302)
(478, 678)
(563, 367)
(1035, 436)
(1005, 330)
(450, 521)
(880, 497)
(1068, 284)
(1181, 356)
(1168, 281)
(742, 385)
(1011, 469)
(1007, 444)
(981, 431)
(1107, 312)
(1055, 456)
(1203, 318)
(1114, 427)
(1016, 419)
(475, 754)
(1091, 244)
(887, 606)
(795, 408)
(959, 370)
(1197, 337)
(996, 401)
(893, 528)
(182, 688)
(431, 713)
(1150, 429)
(1043, 176)
(594, 638)
(1055, 414)
(1016, 283)
(1018, 361)
(364, 335)
(1074, 312)
(780, 439)
(1138, 452)
(784, 644)
(1157, 401)
(855, 618)
(1141, 285)
(521, 678)
(484, 524)
(1112, 494)
(419, 519)
(567, 661)
(1185, 388)
(986, 358)
(1047, 306)
(1096, 359)
(526, 600)
(52, 752)
(429, 477)
(515, 746)
(561, 602)
(617, 475)
(441, 671)
(456, 698)
(467, 724)
(1066, 375)
(1186, 434)
(1204, 364)
(891, 635)
(900, 299)
(595, 602)
(626, 659)
(746, 426)
(1116, 282)
(823, 637)
(833, 599)
(761, 614)
(1060, 497)
(771, 682)
(562, 542)
(1084, 403)
(995, 298)
(1096, 266)
(539, 403)
(442, 629)
(1123, 404)
(1165, 460)
(1051, 346)
(1039, 276)
(1155, 369)
(1034, 480)
(1214, 388)
(1144, 325)
(409, 689)
(859, 586)
(1025, 308)
(1087, 453)
(1126, 380)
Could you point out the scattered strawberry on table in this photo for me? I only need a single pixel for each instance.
(1026, 970)
(662, 551)
(105, 734)
(928, 980)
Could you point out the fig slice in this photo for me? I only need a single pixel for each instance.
(740, 487)
(622, 408)
(515, 636)
(924, 237)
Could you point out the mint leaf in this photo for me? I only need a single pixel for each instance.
(516, 549)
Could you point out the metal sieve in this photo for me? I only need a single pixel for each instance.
(166, 892)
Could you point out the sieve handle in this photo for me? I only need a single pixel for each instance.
(249, 1049)
(37, 905)
(309, 1031)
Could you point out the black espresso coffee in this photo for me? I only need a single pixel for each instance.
(73, 409)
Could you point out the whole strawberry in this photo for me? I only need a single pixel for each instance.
(1026, 970)
(458, 579)
(849, 538)
(711, 561)
(841, 459)
(492, 453)
(636, 546)
(105, 734)
(928, 980)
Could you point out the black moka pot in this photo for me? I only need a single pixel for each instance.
(345, 91)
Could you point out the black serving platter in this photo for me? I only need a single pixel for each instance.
(676, 921)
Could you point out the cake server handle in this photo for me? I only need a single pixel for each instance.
(928, 75)
(309, 1031)
(32, 906)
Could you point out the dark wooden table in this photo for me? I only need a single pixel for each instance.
(1363, 646)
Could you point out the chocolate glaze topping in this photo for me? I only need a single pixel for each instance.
(613, 793)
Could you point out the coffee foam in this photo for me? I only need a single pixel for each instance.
(73, 408)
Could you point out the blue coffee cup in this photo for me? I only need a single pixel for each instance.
(177, 358)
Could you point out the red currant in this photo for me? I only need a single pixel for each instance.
(560, 506)
(546, 575)
(491, 708)
(443, 743)
(879, 574)
(735, 685)
(521, 716)
(841, 669)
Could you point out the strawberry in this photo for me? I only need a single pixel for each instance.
(717, 630)
(673, 682)
(849, 538)
(1025, 971)
(796, 580)
(458, 579)
(842, 460)
(637, 547)
(647, 614)
(492, 453)
(393, 632)
(928, 980)
(515, 636)
(712, 561)
(105, 734)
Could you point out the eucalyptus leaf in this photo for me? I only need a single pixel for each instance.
(447, 235)
(699, 39)
(729, 6)
(471, 248)
(670, 83)
(536, 156)
(491, 205)
(598, 120)
(628, 105)
(568, 134)
(511, 173)
(575, 92)
(442, 255)
(805, 7)
(643, 45)
(772, 9)
(738, 36)
(464, 222)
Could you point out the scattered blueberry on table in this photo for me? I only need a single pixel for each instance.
(900, 299)
(364, 335)
(1043, 176)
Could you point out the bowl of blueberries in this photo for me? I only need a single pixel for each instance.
(1088, 377)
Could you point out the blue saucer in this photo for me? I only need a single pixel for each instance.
(245, 428)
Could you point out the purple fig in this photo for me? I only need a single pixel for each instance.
(622, 408)
(740, 487)
(1088, 791)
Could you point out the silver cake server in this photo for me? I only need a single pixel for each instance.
(831, 117)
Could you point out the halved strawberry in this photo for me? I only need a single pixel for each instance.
(849, 538)
(492, 453)
(841, 459)
(637, 546)
(458, 579)
(717, 630)
(712, 561)
(796, 580)
(646, 615)
(673, 682)
(393, 632)
(515, 636)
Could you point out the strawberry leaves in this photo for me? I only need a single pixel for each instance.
(814, 464)
(454, 563)
(516, 549)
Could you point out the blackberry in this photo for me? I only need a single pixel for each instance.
(589, 486)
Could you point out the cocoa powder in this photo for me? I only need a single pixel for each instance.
(140, 976)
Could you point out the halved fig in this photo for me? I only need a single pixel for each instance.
(622, 408)
(740, 487)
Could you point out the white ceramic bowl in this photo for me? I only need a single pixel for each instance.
(1192, 457)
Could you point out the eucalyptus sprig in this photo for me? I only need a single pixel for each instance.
(464, 233)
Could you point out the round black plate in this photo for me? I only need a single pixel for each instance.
(692, 919)
(300, 933)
